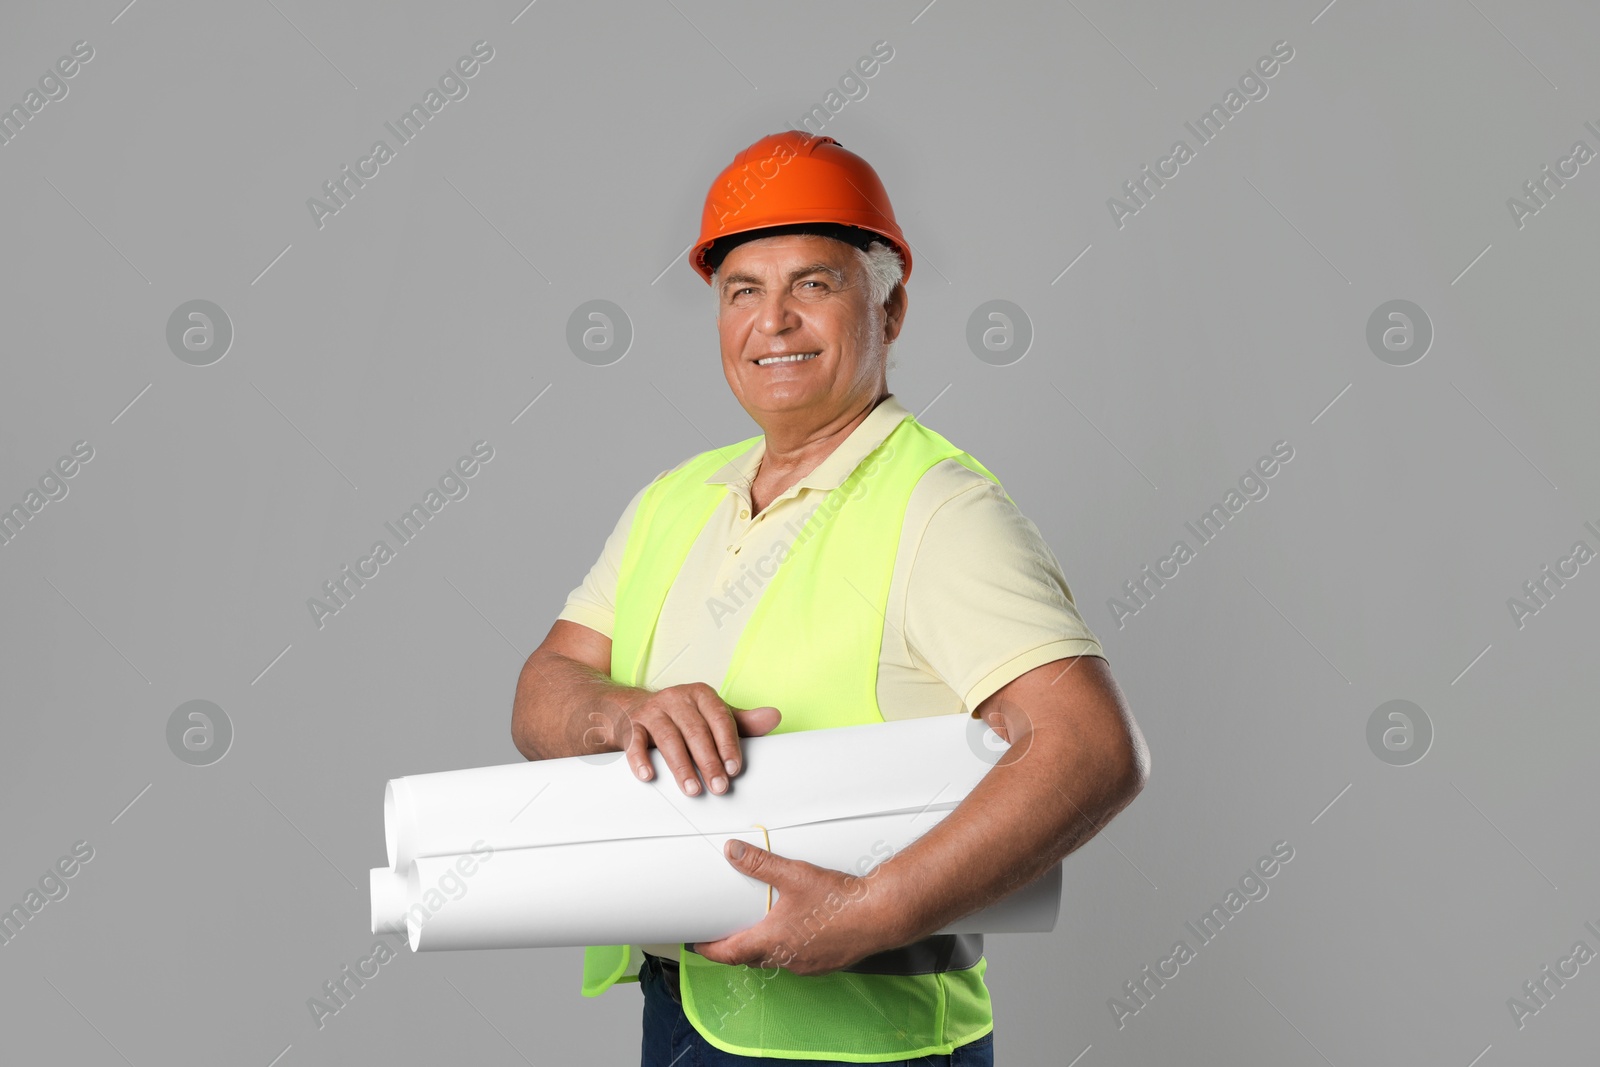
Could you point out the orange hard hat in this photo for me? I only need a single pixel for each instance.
(795, 182)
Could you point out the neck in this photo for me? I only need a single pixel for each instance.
(793, 451)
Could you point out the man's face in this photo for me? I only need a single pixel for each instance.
(794, 294)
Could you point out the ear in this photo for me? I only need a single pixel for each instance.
(894, 312)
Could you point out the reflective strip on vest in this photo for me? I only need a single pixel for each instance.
(833, 586)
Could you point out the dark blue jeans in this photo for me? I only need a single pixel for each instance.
(670, 1039)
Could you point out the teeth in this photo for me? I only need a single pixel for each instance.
(785, 359)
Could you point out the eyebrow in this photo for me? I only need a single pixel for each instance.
(793, 276)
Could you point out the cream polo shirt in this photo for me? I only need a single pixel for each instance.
(977, 598)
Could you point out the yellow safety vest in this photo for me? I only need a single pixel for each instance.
(850, 540)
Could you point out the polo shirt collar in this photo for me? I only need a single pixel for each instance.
(832, 471)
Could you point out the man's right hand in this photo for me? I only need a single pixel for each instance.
(696, 731)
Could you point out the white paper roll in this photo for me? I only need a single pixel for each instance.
(578, 851)
(390, 900)
(594, 893)
(1035, 908)
(788, 779)
(671, 889)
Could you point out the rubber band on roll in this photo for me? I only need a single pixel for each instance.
(767, 839)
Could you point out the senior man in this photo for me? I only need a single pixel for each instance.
(847, 565)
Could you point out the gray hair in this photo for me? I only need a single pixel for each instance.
(883, 268)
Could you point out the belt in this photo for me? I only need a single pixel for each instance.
(941, 952)
(667, 971)
(931, 955)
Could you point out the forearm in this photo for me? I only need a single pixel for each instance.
(1049, 795)
(566, 708)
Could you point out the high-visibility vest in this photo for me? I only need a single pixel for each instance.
(830, 590)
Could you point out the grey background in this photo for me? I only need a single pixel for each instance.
(1228, 314)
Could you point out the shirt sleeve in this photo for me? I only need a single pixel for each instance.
(986, 600)
(594, 602)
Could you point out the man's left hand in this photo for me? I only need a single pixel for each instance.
(847, 915)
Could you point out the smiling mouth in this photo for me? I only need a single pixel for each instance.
(800, 357)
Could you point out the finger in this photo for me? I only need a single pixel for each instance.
(769, 867)
(718, 952)
(746, 946)
(690, 718)
(756, 721)
(637, 751)
(715, 951)
(724, 734)
(669, 742)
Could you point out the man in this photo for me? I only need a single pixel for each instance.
(848, 565)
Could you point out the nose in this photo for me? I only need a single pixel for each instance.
(776, 313)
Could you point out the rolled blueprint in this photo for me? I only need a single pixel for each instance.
(390, 900)
(669, 889)
(808, 776)
(578, 851)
